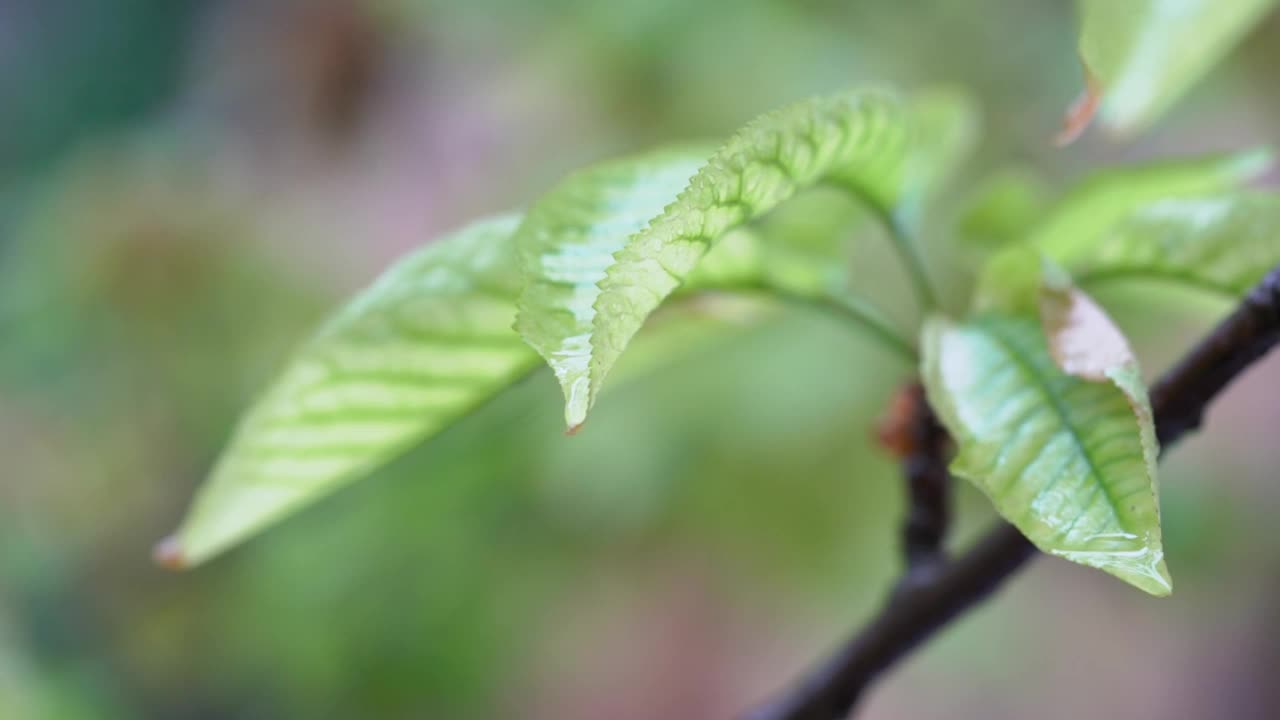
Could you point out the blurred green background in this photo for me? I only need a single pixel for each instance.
(186, 188)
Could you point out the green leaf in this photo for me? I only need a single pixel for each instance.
(566, 244)
(614, 214)
(1075, 225)
(1147, 53)
(858, 141)
(1083, 343)
(1223, 243)
(1068, 460)
(427, 343)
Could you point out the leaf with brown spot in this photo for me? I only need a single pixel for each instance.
(1082, 338)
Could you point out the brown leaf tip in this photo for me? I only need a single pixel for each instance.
(1081, 112)
(168, 554)
(573, 429)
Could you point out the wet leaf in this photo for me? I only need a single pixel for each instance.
(1068, 460)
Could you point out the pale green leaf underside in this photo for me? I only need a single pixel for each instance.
(428, 342)
(1073, 227)
(568, 238)
(1223, 243)
(856, 140)
(1147, 53)
(566, 244)
(1069, 462)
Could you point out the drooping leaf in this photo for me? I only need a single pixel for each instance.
(1069, 461)
(1082, 340)
(427, 343)
(1146, 53)
(615, 214)
(569, 235)
(1075, 224)
(858, 141)
(566, 244)
(1223, 243)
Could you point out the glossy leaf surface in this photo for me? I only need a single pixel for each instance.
(427, 343)
(1146, 53)
(1068, 460)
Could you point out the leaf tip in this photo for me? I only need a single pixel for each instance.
(1153, 580)
(169, 555)
(575, 414)
(1080, 113)
(1144, 568)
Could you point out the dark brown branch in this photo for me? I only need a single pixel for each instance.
(911, 617)
(924, 466)
(913, 614)
(1182, 394)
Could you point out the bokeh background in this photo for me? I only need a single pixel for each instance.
(187, 187)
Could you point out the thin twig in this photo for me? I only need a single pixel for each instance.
(905, 245)
(913, 614)
(909, 252)
(859, 312)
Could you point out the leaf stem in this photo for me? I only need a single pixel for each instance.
(861, 314)
(909, 252)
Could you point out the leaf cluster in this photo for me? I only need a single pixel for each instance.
(1040, 390)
